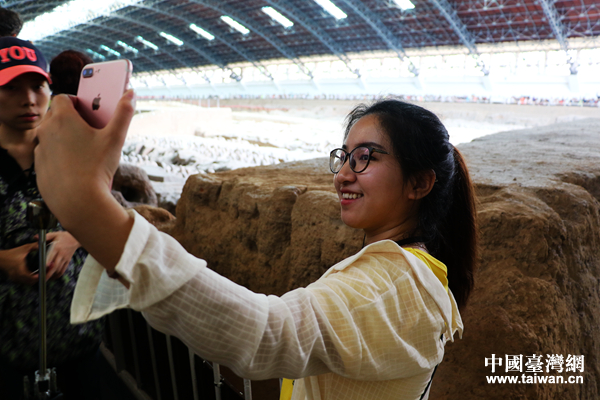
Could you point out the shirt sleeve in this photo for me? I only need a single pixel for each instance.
(154, 264)
(361, 323)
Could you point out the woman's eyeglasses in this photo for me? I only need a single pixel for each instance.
(358, 159)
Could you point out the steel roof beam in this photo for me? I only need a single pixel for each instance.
(152, 60)
(312, 27)
(559, 31)
(461, 30)
(24, 8)
(58, 47)
(65, 43)
(272, 39)
(238, 49)
(206, 55)
(156, 62)
(382, 31)
(98, 37)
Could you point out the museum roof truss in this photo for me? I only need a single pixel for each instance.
(141, 31)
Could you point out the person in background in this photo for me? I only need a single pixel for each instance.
(65, 71)
(374, 326)
(73, 350)
(10, 22)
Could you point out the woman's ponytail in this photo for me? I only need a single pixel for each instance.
(458, 233)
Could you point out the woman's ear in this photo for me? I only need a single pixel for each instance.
(421, 184)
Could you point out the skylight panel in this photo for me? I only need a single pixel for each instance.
(95, 55)
(331, 9)
(201, 32)
(235, 25)
(146, 43)
(67, 15)
(273, 13)
(127, 47)
(404, 4)
(109, 50)
(171, 38)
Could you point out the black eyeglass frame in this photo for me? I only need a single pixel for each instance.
(348, 155)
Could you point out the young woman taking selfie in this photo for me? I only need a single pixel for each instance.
(373, 326)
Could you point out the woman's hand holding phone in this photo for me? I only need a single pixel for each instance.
(78, 155)
(75, 164)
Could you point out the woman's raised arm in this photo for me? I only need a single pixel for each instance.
(75, 164)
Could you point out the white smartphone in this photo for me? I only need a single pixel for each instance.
(100, 88)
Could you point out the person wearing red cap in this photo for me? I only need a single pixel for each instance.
(24, 99)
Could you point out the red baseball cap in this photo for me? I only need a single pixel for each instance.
(19, 57)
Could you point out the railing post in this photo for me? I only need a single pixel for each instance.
(134, 349)
(172, 367)
(193, 372)
(217, 380)
(247, 389)
(154, 363)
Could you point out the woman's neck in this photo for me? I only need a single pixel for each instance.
(406, 239)
(405, 230)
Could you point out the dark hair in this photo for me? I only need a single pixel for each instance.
(447, 215)
(65, 71)
(10, 22)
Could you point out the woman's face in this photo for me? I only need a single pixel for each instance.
(24, 101)
(375, 200)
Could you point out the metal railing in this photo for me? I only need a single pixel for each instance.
(156, 366)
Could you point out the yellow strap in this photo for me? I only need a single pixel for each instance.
(436, 266)
(287, 386)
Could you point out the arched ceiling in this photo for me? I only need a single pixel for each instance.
(371, 25)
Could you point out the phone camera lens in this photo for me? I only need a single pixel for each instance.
(88, 72)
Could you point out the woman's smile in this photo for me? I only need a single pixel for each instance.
(348, 197)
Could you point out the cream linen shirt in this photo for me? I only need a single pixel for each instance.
(369, 328)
